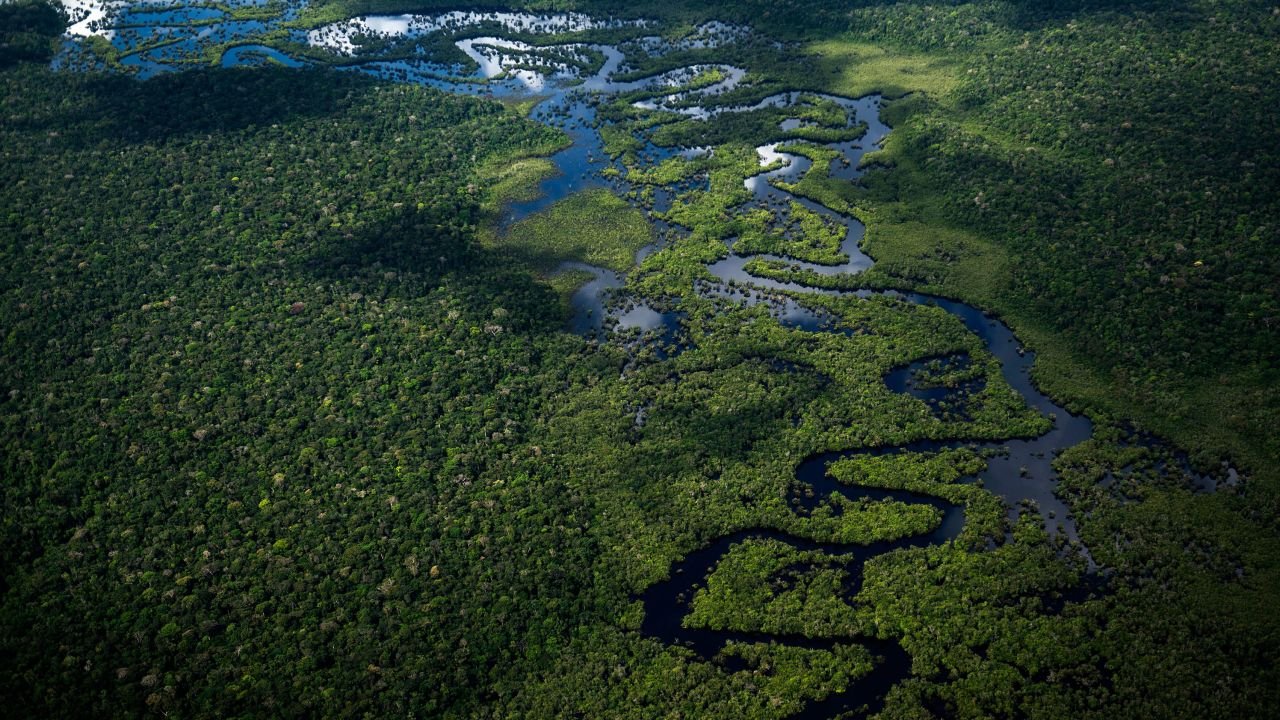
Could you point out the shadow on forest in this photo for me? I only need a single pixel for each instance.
(805, 18)
(189, 103)
(409, 253)
(28, 32)
(723, 409)
(417, 251)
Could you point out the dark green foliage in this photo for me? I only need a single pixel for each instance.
(255, 373)
(29, 30)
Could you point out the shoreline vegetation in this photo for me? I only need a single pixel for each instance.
(1220, 410)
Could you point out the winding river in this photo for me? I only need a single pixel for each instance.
(1020, 469)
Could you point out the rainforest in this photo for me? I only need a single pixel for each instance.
(596, 359)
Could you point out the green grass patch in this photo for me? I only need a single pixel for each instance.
(857, 68)
(595, 226)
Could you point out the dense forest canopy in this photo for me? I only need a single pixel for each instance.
(292, 423)
(29, 31)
